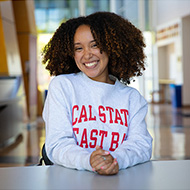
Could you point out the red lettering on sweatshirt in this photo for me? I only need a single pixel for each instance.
(83, 114)
(102, 115)
(110, 111)
(102, 134)
(105, 114)
(91, 118)
(84, 139)
(125, 113)
(93, 137)
(76, 131)
(114, 141)
(91, 142)
(74, 120)
(118, 117)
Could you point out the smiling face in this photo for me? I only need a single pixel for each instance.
(88, 57)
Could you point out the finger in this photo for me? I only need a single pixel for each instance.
(98, 155)
(102, 163)
(107, 167)
(94, 156)
(100, 152)
(102, 166)
(102, 170)
(96, 160)
(101, 159)
(98, 147)
(112, 169)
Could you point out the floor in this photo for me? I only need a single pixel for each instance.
(169, 127)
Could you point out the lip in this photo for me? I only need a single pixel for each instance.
(91, 64)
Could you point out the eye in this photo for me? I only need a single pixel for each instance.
(78, 48)
(94, 45)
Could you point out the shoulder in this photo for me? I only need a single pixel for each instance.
(136, 98)
(133, 94)
(123, 87)
(64, 80)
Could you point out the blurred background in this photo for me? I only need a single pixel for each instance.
(27, 25)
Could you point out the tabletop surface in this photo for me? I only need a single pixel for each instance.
(151, 175)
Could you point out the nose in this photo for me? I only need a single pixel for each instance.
(87, 53)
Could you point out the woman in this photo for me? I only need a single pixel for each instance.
(94, 121)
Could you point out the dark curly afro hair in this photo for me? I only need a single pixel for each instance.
(116, 36)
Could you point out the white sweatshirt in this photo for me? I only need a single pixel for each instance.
(80, 113)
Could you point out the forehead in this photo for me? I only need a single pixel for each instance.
(83, 33)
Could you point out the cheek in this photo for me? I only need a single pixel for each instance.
(105, 58)
(76, 58)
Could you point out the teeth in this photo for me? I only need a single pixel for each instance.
(90, 64)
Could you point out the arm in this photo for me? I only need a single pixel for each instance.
(137, 148)
(61, 144)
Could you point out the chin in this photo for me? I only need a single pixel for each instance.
(91, 75)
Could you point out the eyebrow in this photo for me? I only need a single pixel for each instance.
(78, 43)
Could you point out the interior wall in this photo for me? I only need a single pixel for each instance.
(165, 14)
(171, 60)
(27, 37)
(168, 10)
(12, 96)
(167, 69)
(12, 59)
(3, 61)
(162, 62)
(186, 60)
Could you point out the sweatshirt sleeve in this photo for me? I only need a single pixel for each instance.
(60, 142)
(137, 148)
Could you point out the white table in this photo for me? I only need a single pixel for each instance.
(153, 175)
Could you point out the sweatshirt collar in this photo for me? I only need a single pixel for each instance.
(97, 83)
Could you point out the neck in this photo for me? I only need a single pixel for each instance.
(104, 79)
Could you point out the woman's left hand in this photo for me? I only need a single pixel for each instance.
(103, 162)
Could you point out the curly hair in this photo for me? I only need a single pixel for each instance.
(121, 40)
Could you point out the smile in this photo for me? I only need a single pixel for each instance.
(91, 64)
